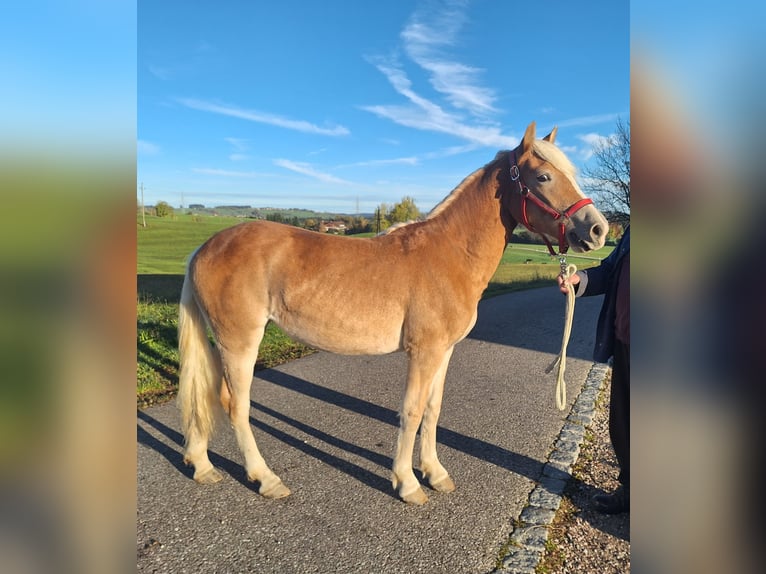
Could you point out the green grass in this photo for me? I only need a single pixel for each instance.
(529, 266)
(157, 340)
(166, 242)
(163, 247)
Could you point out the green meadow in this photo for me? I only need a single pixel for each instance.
(163, 247)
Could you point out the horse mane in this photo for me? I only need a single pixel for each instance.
(551, 153)
(442, 206)
(396, 226)
(468, 181)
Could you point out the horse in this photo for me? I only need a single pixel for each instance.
(415, 288)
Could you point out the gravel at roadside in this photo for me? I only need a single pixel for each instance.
(559, 533)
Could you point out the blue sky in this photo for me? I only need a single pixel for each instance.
(333, 104)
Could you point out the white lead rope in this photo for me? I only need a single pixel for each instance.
(561, 387)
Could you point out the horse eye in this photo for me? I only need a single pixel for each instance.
(543, 177)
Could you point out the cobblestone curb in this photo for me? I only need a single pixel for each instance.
(530, 533)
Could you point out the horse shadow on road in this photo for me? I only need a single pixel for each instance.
(488, 452)
(173, 453)
(172, 450)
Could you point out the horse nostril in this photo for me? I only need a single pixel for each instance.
(596, 230)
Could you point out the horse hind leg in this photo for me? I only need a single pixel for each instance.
(433, 471)
(238, 376)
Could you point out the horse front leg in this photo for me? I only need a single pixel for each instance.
(423, 367)
(432, 469)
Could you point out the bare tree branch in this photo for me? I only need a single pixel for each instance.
(609, 180)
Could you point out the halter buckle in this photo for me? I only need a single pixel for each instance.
(515, 172)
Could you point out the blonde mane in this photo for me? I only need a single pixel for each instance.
(447, 201)
(551, 153)
(442, 206)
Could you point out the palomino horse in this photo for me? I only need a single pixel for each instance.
(415, 289)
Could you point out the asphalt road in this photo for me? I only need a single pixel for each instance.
(327, 425)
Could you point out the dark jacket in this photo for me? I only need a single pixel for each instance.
(603, 280)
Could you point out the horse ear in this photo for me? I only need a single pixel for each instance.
(529, 136)
(552, 136)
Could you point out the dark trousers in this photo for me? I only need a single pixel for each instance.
(619, 409)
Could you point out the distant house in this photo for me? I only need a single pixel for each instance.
(337, 227)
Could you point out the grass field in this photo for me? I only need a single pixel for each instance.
(166, 242)
(163, 247)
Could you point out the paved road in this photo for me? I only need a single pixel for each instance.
(327, 425)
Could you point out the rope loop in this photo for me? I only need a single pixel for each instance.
(561, 361)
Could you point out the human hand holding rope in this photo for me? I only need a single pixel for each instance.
(566, 280)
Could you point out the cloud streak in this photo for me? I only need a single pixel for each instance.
(262, 117)
(594, 141)
(426, 39)
(144, 147)
(412, 160)
(225, 172)
(306, 169)
(425, 36)
(588, 120)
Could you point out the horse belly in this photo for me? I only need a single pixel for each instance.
(353, 332)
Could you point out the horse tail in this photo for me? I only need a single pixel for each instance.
(200, 372)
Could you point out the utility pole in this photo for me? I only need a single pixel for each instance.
(143, 211)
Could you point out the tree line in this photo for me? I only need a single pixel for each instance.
(384, 217)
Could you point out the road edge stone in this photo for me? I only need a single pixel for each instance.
(530, 530)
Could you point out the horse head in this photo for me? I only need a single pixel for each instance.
(546, 198)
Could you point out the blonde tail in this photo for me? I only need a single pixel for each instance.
(200, 369)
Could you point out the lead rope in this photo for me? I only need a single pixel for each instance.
(561, 387)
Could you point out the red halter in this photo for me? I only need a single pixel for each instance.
(526, 195)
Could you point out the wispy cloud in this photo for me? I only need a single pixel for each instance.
(588, 120)
(238, 144)
(306, 169)
(226, 172)
(426, 40)
(593, 141)
(262, 117)
(144, 147)
(163, 73)
(412, 160)
(437, 120)
(427, 37)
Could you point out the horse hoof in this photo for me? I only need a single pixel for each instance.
(416, 497)
(444, 485)
(209, 476)
(274, 491)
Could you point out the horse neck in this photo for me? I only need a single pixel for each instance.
(473, 220)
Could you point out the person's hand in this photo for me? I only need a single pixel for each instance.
(572, 280)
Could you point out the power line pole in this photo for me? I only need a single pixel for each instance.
(143, 211)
